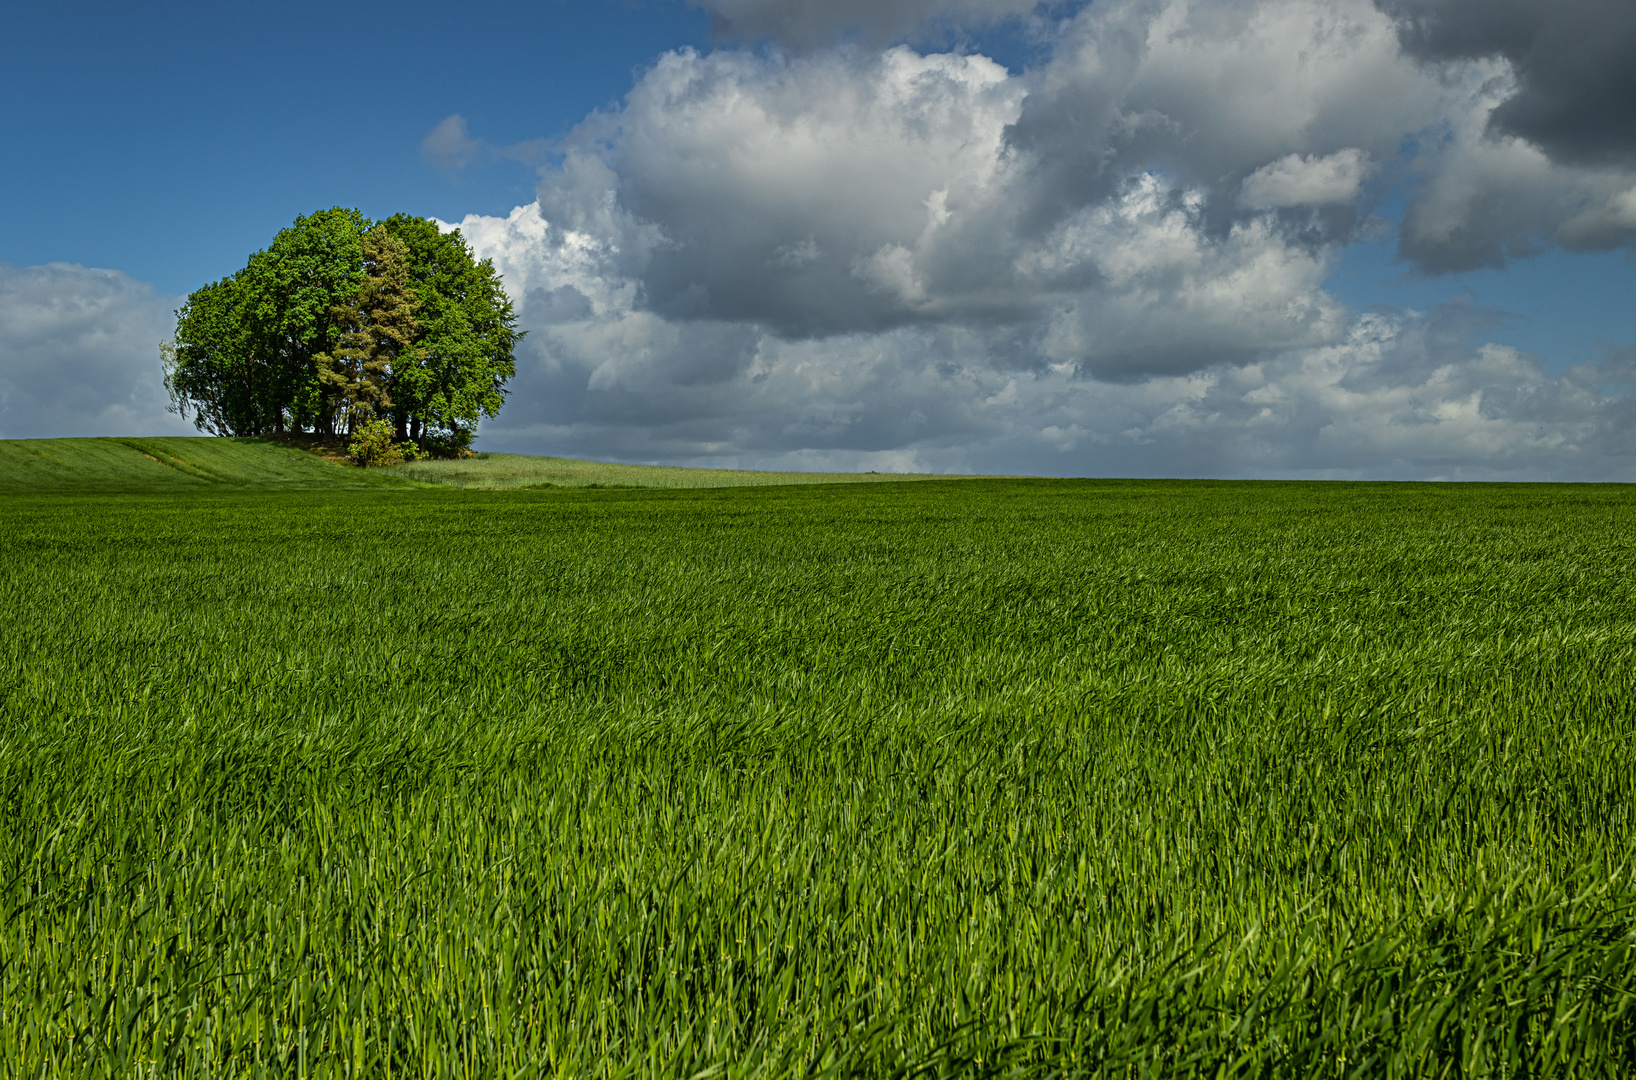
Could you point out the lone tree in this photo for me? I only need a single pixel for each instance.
(342, 321)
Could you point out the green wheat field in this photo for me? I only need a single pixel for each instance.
(312, 772)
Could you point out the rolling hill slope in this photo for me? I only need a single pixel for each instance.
(202, 463)
(172, 464)
(497, 472)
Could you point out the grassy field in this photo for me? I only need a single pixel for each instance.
(189, 464)
(171, 464)
(978, 778)
(498, 472)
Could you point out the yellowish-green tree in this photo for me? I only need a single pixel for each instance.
(378, 331)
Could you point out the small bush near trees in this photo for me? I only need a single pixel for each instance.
(372, 445)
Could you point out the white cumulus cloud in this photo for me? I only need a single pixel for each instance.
(1113, 262)
(1305, 180)
(1391, 394)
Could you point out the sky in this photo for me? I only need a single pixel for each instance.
(1386, 239)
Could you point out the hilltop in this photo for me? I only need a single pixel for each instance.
(201, 463)
(172, 464)
(511, 471)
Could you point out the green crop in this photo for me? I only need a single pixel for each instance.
(29, 466)
(86, 465)
(975, 778)
(496, 472)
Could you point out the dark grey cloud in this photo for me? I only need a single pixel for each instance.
(1574, 62)
(1493, 215)
(1486, 199)
(816, 23)
(79, 354)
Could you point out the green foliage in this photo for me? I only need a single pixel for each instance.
(467, 343)
(284, 344)
(942, 779)
(372, 444)
(296, 286)
(211, 368)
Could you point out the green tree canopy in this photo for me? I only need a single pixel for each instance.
(342, 320)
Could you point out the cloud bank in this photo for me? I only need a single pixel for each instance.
(1111, 263)
(79, 354)
(816, 248)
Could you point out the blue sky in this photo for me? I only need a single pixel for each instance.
(1568, 308)
(942, 234)
(171, 140)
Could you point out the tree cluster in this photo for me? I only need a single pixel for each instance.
(342, 322)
